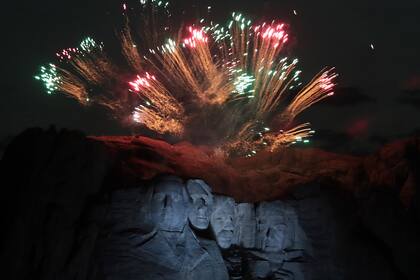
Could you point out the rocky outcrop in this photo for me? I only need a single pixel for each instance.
(360, 214)
(266, 176)
(48, 179)
(396, 167)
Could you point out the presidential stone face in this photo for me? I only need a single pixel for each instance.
(245, 225)
(169, 204)
(222, 221)
(271, 226)
(201, 200)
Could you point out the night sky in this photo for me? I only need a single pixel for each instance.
(378, 96)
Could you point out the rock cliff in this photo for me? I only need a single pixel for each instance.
(361, 214)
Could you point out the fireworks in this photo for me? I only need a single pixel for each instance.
(197, 37)
(67, 53)
(49, 77)
(244, 85)
(161, 111)
(223, 85)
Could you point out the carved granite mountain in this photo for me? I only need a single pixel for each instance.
(360, 214)
(269, 176)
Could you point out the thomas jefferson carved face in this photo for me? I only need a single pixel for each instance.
(271, 226)
(169, 204)
(222, 221)
(201, 202)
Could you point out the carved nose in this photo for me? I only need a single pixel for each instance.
(202, 210)
(228, 224)
(167, 202)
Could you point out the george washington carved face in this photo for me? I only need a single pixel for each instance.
(169, 203)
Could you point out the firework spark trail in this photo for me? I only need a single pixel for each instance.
(178, 68)
(216, 87)
(129, 49)
(149, 88)
(285, 138)
(159, 101)
(49, 77)
(93, 65)
(156, 122)
(271, 140)
(67, 53)
(257, 49)
(73, 86)
(192, 68)
(269, 43)
(56, 79)
(318, 89)
(231, 80)
(271, 77)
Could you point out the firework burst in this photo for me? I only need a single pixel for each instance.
(225, 85)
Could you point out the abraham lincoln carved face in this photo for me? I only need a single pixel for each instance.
(271, 226)
(222, 221)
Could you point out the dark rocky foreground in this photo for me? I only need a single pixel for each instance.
(75, 207)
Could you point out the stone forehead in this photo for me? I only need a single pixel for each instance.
(223, 203)
(169, 184)
(199, 188)
(245, 210)
(271, 209)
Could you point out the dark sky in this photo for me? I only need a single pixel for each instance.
(378, 96)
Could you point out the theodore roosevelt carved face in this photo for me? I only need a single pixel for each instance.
(222, 221)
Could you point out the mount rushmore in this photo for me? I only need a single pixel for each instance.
(175, 230)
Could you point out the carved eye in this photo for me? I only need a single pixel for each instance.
(201, 201)
(176, 197)
(159, 197)
(279, 228)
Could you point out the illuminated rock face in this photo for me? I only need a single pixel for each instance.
(71, 209)
(272, 228)
(169, 204)
(164, 246)
(245, 222)
(176, 230)
(201, 204)
(223, 221)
